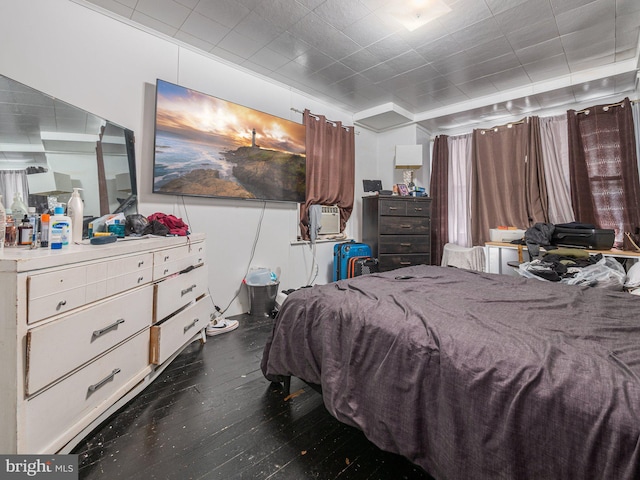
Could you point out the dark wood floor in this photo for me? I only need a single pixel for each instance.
(212, 414)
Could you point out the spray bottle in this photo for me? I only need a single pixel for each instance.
(75, 211)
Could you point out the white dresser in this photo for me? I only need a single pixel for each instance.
(85, 329)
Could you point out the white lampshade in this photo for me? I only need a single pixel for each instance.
(49, 183)
(409, 156)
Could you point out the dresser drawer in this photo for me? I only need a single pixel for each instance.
(170, 335)
(393, 207)
(86, 334)
(404, 244)
(55, 292)
(174, 260)
(177, 291)
(129, 272)
(58, 413)
(404, 225)
(391, 262)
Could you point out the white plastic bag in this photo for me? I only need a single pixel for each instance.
(607, 273)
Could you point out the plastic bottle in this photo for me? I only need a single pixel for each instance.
(10, 230)
(55, 236)
(34, 219)
(3, 224)
(60, 222)
(44, 230)
(25, 231)
(75, 211)
(18, 207)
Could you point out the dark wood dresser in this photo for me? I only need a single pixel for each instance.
(397, 229)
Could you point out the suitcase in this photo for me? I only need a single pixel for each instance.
(582, 236)
(362, 266)
(342, 252)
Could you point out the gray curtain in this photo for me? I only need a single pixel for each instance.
(12, 182)
(555, 156)
(508, 185)
(460, 157)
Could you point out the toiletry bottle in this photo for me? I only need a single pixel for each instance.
(10, 230)
(25, 231)
(34, 219)
(18, 207)
(3, 224)
(75, 209)
(44, 230)
(55, 236)
(60, 221)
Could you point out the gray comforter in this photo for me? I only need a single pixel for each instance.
(473, 375)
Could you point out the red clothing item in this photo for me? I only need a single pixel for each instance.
(175, 225)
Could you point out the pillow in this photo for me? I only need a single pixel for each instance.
(633, 276)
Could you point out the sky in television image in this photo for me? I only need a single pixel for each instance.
(211, 147)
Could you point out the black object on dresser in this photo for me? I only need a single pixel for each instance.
(398, 230)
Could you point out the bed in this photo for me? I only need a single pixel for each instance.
(471, 374)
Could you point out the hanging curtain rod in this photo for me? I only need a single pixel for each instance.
(508, 125)
(346, 127)
(606, 107)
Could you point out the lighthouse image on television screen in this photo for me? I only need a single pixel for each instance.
(205, 146)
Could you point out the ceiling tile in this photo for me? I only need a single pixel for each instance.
(313, 60)
(519, 17)
(361, 60)
(282, 13)
(548, 68)
(255, 27)
(584, 17)
(289, 46)
(268, 59)
(227, 12)
(533, 34)
(204, 28)
(479, 33)
(540, 51)
(336, 72)
(463, 14)
(440, 48)
(194, 41)
(122, 8)
(368, 30)
(166, 11)
(341, 13)
(508, 79)
(153, 23)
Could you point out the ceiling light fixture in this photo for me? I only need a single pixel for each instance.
(413, 14)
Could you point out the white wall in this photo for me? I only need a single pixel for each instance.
(109, 68)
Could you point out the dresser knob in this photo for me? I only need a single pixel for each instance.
(61, 304)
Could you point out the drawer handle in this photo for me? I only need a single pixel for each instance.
(405, 226)
(140, 279)
(418, 209)
(140, 263)
(187, 290)
(191, 325)
(405, 263)
(96, 386)
(405, 244)
(102, 331)
(166, 258)
(393, 208)
(61, 304)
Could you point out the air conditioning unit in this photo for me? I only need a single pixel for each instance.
(329, 220)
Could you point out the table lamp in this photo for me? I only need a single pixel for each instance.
(408, 158)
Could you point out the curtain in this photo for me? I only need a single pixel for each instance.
(330, 152)
(439, 189)
(605, 189)
(460, 148)
(635, 108)
(507, 178)
(12, 182)
(555, 155)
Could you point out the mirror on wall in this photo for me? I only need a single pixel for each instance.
(48, 147)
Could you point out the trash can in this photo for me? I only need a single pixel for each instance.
(262, 299)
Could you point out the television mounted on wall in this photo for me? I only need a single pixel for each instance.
(209, 147)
